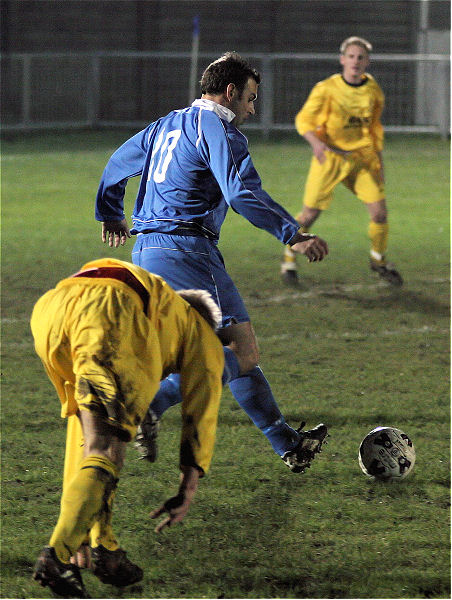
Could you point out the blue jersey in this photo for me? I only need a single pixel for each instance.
(194, 164)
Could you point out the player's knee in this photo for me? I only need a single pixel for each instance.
(248, 360)
(102, 439)
(380, 217)
(378, 212)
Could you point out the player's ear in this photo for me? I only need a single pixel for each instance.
(231, 91)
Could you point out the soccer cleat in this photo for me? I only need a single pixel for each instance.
(387, 271)
(309, 445)
(146, 438)
(63, 579)
(289, 273)
(113, 567)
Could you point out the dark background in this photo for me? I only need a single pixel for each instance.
(92, 82)
(246, 26)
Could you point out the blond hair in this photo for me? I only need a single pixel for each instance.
(203, 302)
(357, 41)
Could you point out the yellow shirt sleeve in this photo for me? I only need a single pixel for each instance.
(376, 128)
(314, 113)
(202, 363)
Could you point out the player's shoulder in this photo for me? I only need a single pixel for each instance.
(210, 118)
(332, 79)
(371, 81)
(328, 83)
(221, 127)
(173, 116)
(373, 87)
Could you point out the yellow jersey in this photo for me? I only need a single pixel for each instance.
(344, 116)
(177, 339)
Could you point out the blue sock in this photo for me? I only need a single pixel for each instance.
(167, 396)
(231, 366)
(252, 391)
(169, 392)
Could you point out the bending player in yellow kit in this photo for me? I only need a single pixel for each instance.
(341, 122)
(107, 335)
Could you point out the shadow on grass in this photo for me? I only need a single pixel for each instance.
(401, 299)
(242, 554)
(13, 562)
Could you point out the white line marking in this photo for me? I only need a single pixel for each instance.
(357, 335)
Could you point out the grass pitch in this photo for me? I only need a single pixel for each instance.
(342, 348)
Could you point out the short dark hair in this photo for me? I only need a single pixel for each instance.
(229, 68)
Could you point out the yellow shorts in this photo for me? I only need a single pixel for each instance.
(358, 171)
(100, 351)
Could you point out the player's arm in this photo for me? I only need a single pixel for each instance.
(382, 166)
(310, 118)
(376, 128)
(126, 162)
(201, 368)
(229, 160)
(177, 506)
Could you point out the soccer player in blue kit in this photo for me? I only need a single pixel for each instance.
(194, 164)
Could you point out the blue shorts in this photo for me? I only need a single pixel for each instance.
(187, 262)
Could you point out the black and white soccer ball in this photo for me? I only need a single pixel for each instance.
(387, 454)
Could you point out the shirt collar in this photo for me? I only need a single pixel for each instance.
(218, 109)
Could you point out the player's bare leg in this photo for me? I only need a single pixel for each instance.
(86, 497)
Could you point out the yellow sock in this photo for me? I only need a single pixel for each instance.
(74, 452)
(290, 257)
(102, 531)
(84, 501)
(74, 449)
(378, 234)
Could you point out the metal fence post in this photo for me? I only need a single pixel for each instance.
(267, 96)
(443, 105)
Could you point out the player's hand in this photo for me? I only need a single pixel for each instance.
(82, 557)
(115, 232)
(318, 148)
(314, 248)
(319, 152)
(177, 506)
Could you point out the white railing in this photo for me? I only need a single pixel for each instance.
(51, 90)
